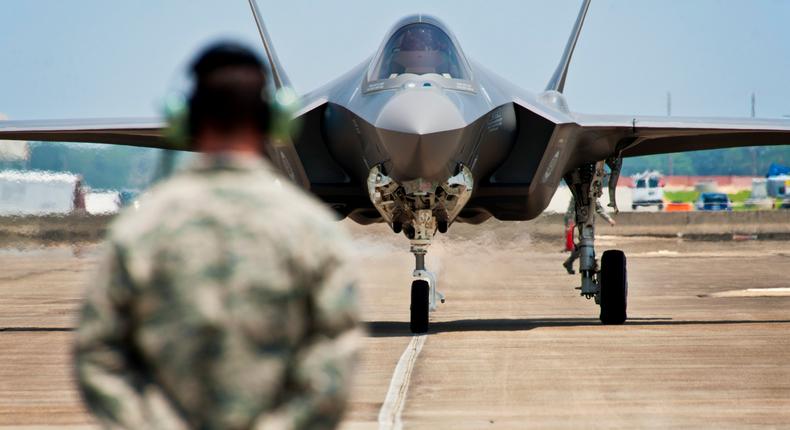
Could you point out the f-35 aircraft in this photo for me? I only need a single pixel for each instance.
(419, 136)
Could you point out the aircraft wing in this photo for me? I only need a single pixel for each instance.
(303, 157)
(308, 164)
(143, 132)
(140, 132)
(634, 135)
(599, 136)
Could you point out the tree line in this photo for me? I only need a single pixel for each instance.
(109, 167)
(753, 161)
(102, 167)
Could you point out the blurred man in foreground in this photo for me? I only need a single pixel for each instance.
(225, 301)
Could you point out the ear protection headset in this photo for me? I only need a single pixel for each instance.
(185, 114)
(176, 133)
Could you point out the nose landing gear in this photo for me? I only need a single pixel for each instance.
(424, 296)
(419, 209)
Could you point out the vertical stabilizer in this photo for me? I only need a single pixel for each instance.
(278, 75)
(557, 82)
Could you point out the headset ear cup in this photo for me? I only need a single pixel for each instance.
(282, 125)
(277, 122)
(177, 131)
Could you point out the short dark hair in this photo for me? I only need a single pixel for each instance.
(230, 90)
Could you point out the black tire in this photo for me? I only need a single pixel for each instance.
(419, 306)
(660, 207)
(614, 287)
(633, 207)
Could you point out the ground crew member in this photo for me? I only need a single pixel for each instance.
(570, 216)
(225, 301)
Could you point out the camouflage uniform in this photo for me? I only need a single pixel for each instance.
(570, 214)
(224, 303)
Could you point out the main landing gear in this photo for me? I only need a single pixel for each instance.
(608, 285)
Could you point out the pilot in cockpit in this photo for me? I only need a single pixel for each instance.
(420, 49)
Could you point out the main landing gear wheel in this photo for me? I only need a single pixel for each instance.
(420, 291)
(614, 287)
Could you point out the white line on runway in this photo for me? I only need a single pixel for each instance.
(752, 292)
(389, 415)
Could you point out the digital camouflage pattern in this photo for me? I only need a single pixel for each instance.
(570, 214)
(570, 218)
(225, 302)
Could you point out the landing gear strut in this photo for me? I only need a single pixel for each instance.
(424, 296)
(608, 285)
(419, 209)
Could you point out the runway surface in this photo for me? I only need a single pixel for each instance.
(513, 347)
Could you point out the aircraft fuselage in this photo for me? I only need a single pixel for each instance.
(419, 127)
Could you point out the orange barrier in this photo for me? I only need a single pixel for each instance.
(569, 237)
(679, 207)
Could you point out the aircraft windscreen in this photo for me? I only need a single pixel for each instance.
(419, 49)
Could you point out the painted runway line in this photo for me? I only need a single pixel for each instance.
(394, 402)
(752, 292)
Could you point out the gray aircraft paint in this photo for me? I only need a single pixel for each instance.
(518, 144)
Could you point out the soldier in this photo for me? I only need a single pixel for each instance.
(570, 215)
(225, 302)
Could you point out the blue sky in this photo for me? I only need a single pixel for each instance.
(95, 58)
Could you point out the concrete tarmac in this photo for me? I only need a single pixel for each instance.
(513, 347)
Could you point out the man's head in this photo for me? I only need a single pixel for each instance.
(229, 107)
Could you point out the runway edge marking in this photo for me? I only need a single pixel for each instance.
(394, 402)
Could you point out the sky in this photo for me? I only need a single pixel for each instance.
(96, 58)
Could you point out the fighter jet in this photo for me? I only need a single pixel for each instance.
(419, 136)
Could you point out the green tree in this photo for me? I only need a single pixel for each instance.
(732, 161)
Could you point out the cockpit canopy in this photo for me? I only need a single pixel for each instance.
(420, 48)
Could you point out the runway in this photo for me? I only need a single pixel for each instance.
(513, 347)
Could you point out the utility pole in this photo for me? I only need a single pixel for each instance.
(669, 113)
(752, 149)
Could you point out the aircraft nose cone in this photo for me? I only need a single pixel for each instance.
(420, 111)
(421, 132)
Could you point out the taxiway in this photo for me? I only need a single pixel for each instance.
(513, 347)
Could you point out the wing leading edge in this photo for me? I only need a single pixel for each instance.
(142, 132)
(632, 136)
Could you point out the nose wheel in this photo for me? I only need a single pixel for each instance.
(420, 306)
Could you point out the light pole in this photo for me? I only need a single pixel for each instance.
(670, 166)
